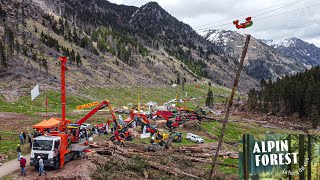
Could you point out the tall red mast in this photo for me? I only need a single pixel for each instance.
(63, 61)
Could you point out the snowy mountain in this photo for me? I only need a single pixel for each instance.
(295, 48)
(263, 60)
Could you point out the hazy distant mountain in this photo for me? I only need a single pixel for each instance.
(265, 59)
(309, 54)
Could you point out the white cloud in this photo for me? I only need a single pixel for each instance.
(303, 24)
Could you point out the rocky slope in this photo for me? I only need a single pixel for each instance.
(263, 60)
(297, 49)
(107, 45)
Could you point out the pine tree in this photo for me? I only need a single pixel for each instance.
(209, 100)
(17, 47)
(3, 59)
(182, 84)
(78, 60)
(72, 57)
(252, 101)
(314, 116)
(178, 79)
(9, 41)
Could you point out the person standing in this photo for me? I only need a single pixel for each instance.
(86, 134)
(29, 135)
(23, 163)
(21, 138)
(18, 151)
(24, 137)
(41, 166)
(35, 133)
(30, 141)
(80, 136)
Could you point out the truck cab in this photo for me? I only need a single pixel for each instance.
(48, 147)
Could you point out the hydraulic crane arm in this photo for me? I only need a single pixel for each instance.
(102, 105)
(124, 128)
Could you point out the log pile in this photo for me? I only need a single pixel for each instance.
(205, 151)
(102, 149)
(171, 171)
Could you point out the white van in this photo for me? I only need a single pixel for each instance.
(194, 138)
(86, 126)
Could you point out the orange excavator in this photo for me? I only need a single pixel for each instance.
(122, 133)
(74, 128)
(143, 120)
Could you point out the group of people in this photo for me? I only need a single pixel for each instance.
(23, 163)
(84, 134)
(101, 130)
(23, 136)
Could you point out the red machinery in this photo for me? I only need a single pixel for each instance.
(55, 148)
(143, 120)
(165, 114)
(74, 128)
(244, 25)
(122, 134)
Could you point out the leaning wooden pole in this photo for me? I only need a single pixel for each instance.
(215, 157)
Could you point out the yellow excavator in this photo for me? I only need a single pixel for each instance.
(162, 140)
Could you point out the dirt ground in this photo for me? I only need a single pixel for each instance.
(15, 122)
(76, 169)
(82, 169)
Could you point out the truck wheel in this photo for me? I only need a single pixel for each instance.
(189, 139)
(57, 164)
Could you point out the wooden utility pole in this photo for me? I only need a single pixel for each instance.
(215, 157)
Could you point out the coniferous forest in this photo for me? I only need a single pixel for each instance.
(298, 93)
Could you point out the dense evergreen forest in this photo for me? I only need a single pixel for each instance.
(298, 93)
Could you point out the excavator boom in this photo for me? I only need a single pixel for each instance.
(102, 105)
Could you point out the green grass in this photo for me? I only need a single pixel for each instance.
(24, 104)
(235, 130)
(121, 96)
(8, 145)
(7, 177)
(118, 96)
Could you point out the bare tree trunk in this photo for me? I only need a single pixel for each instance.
(215, 157)
(309, 155)
(301, 156)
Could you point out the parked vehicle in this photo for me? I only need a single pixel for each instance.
(194, 138)
(86, 126)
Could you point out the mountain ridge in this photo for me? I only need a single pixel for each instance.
(297, 49)
(263, 55)
(110, 44)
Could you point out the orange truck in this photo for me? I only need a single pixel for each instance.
(61, 146)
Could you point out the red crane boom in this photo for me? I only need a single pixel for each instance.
(63, 124)
(102, 105)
